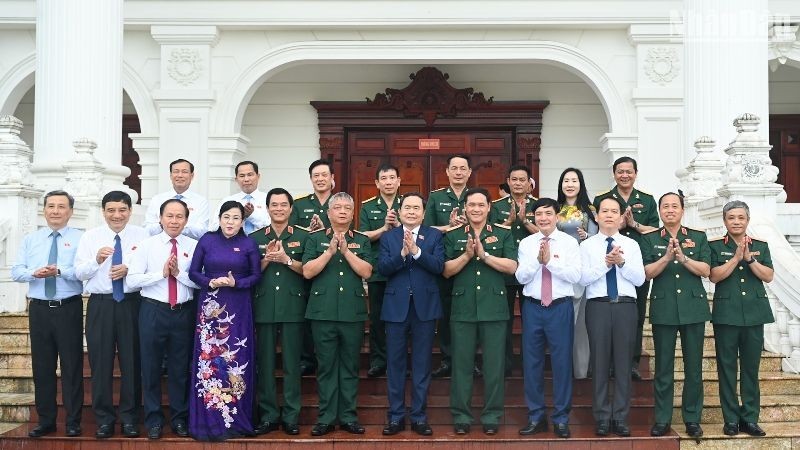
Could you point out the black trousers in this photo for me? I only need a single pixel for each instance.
(113, 328)
(56, 333)
(163, 331)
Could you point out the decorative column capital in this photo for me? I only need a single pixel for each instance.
(84, 173)
(748, 170)
(15, 155)
(702, 176)
(783, 44)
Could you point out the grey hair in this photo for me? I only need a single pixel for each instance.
(59, 193)
(341, 196)
(735, 204)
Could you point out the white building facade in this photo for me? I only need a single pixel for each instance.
(221, 82)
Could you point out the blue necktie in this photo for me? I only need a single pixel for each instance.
(611, 275)
(50, 282)
(248, 226)
(179, 197)
(116, 259)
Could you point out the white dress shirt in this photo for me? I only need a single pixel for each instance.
(259, 218)
(564, 264)
(593, 254)
(415, 235)
(146, 269)
(198, 213)
(96, 275)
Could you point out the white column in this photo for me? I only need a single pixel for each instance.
(726, 52)
(78, 86)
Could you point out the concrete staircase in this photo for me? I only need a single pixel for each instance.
(780, 415)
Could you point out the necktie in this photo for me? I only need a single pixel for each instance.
(50, 282)
(178, 197)
(611, 275)
(116, 259)
(172, 282)
(547, 283)
(248, 226)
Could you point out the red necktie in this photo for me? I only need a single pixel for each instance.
(171, 281)
(547, 283)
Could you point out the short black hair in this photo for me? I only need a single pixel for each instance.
(231, 204)
(117, 196)
(458, 155)
(677, 194)
(279, 191)
(173, 200)
(516, 167)
(320, 162)
(615, 200)
(413, 194)
(504, 187)
(244, 163)
(625, 159)
(385, 167)
(478, 190)
(545, 202)
(181, 160)
(60, 193)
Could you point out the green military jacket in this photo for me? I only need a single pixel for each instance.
(337, 293)
(371, 217)
(643, 206)
(740, 299)
(304, 209)
(677, 296)
(441, 203)
(501, 209)
(479, 291)
(281, 294)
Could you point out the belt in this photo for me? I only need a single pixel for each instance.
(134, 294)
(177, 307)
(56, 303)
(555, 302)
(620, 299)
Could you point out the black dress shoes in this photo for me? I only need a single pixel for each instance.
(533, 428)
(751, 428)
(291, 429)
(730, 429)
(104, 431)
(422, 429)
(154, 432)
(620, 428)
(693, 430)
(659, 429)
(461, 428)
(352, 427)
(635, 375)
(393, 428)
(72, 431)
(130, 430)
(266, 427)
(490, 429)
(41, 430)
(321, 429)
(180, 429)
(561, 430)
(442, 371)
(376, 371)
(602, 428)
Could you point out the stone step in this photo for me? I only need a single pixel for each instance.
(774, 408)
(15, 320)
(780, 435)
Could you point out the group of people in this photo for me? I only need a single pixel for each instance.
(213, 308)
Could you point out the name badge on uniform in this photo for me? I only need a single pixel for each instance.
(637, 206)
(726, 253)
(325, 244)
(353, 245)
(662, 247)
(294, 244)
(308, 210)
(446, 204)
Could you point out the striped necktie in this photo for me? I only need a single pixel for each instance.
(547, 283)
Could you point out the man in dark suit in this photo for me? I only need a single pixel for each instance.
(412, 258)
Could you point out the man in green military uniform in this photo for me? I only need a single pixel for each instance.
(516, 212)
(279, 306)
(378, 215)
(740, 265)
(336, 260)
(675, 258)
(640, 216)
(479, 255)
(311, 212)
(445, 210)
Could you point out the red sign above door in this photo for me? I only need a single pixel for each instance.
(429, 144)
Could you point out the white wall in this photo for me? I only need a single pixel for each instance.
(282, 125)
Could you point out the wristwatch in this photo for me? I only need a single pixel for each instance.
(750, 261)
(290, 261)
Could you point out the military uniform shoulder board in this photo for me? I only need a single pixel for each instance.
(651, 231)
(592, 208)
(317, 230)
(452, 228)
(302, 228)
(500, 225)
(302, 197)
(358, 232)
(369, 199)
(437, 190)
(500, 199)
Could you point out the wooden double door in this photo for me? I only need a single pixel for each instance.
(784, 135)
(422, 156)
